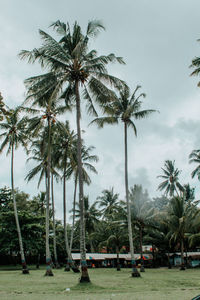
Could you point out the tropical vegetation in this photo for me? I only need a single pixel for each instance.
(76, 78)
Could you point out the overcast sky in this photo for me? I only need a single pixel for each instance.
(158, 40)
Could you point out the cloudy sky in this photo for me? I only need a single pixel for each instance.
(158, 40)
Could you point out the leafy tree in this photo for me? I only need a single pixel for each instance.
(125, 108)
(5, 199)
(31, 225)
(171, 182)
(14, 134)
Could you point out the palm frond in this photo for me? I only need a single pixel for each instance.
(100, 122)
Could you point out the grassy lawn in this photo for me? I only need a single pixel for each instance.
(107, 284)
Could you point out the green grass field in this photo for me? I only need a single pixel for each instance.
(106, 284)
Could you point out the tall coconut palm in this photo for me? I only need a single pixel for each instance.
(63, 146)
(14, 134)
(50, 108)
(39, 155)
(126, 108)
(72, 67)
(44, 168)
(171, 182)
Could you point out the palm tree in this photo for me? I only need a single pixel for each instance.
(73, 67)
(63, 147)
(37, 205)
(194, 157)
(14, 135)
(40, 154)
(171, 182)
(196, 66)
(4, 110)
(142, 214)
(92, 221)
(179, 220)
(159, 236)
(125, 108)
(87, 159)
(117, 232)
(109, 202)
(49, 104)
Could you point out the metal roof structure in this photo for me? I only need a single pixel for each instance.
(192, 254)
(105, 256)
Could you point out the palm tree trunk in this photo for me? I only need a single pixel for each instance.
(67, 267)
(118, 263)
(91, 247)
(182, 256)
(141, 252)
(84, 269)
(54, 224)
(23, 260)
(48, 255)
(135, 272)
(168, 258)
(70, 262)
(73, 217)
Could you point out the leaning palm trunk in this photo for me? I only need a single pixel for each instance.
(141, 252)
(54, 225)
(135, 272)
(70, 262)
(84, 269)
(73, 217)
(182, 256)
(23, 261)
(48, 255)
